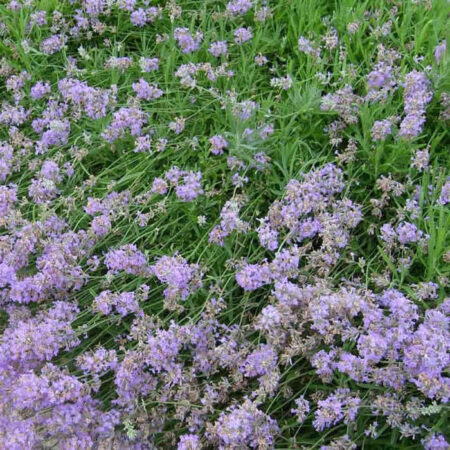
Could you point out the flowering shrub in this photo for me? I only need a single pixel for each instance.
(224, 224)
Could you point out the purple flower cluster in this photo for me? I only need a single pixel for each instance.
(344, 102)
(342, 405)
(260, 362)
(242, 35)
(417, 94)
(43, 189)
(93, 102)
(132, 119)
(122, 63)
(168, 278)
(444, 198)
(126, 258)
(380, 82)
(187, 184)
(50, 406)
(187, 72)
(381, 129)
(301, 409)
(218, 48)
(187, 42)
(6, 160)
(181, 277)
(124, 303)
(140, 17)
(53, 44)
(218, 144)
(309, 209)
(229, 222)
(305, 46)
(149, 64)
(238, 7)
(39, 90)
(244, 426)
(404, 233)
(33, 340)
(99, 361)
(146, 91)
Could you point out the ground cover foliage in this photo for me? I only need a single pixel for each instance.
(224, 224)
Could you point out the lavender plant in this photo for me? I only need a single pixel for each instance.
(224, 224)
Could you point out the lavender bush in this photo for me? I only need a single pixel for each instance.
(224, 224)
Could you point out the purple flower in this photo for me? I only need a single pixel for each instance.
(440, 51)
(7, 275)
(261, 60)
(381, 129)
(103, 303)
(191, 187)
(39, 18)
(180, 276)
(444, 198)
(260, 362)
(269, 318)
(417, 95)
(407, 233)
(101, 225)
(230, 221)
(94, 7)
(177, 125)
(244, 110)
(218, 48)
(50, 171)
(242, 35)
(39, 90)
(119, 62)
(218, 144)
(138, 17)
(341, 405)
(435, 442)
(189, 442)
(8, 198)
(159, 186)
(43, 190)
(238, 7)
(268, 237)
(123, 119)
(98, 361)
(302, 409)
(284, 83)
(411, 126)
(53, 44)
(6, 159)
(16, 82)
(110, 205)
(40, 338)
(245, 426)
(186, 41)
(127, 258)
(143, 144)
(127, 5)
(344, 102)
(13, 115)
(148, 64)
(146, 91)
(380, 77)
(124, 303)
(305, 46)
(253, 276)
(95, 102)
